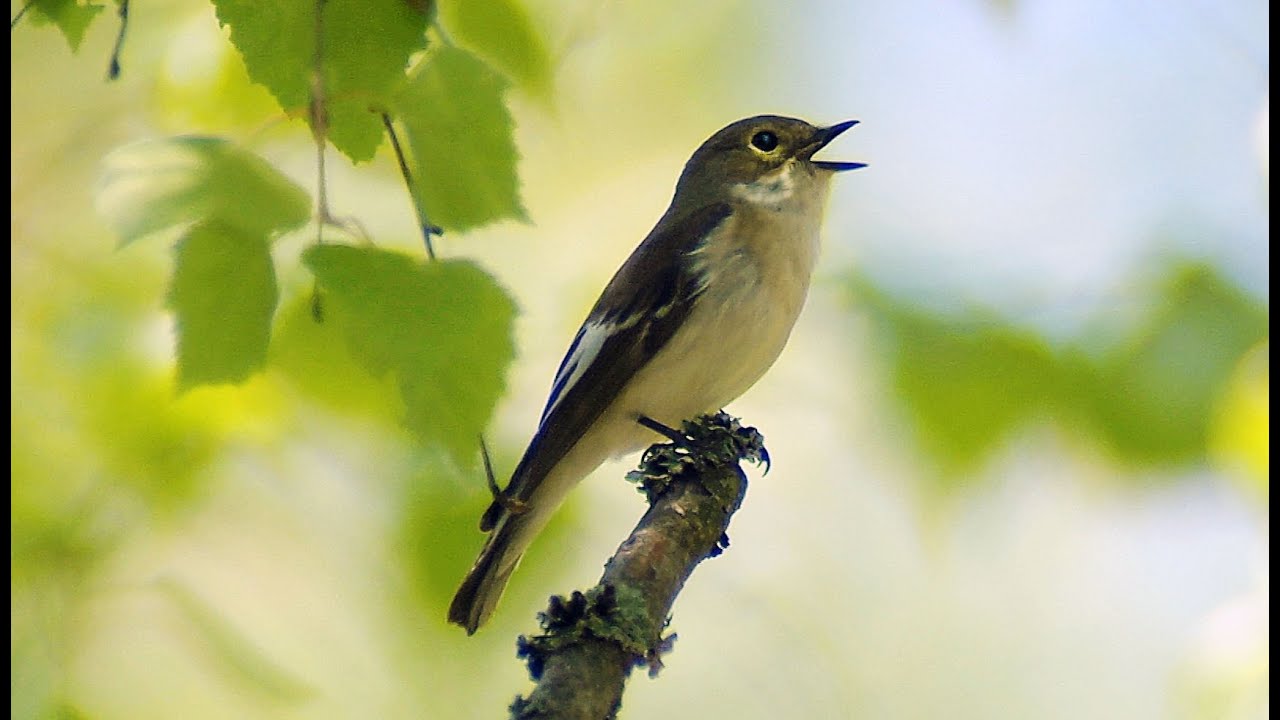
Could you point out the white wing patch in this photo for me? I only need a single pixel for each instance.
(583, 352)
(711, 253)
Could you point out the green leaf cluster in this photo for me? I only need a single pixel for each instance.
(383, 330)
(970, 382)
(156, 185)
(364, 48)
(228, 204)
(450, 102)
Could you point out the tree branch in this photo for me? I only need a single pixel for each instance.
(591, 641)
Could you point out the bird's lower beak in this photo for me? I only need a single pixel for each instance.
(820, 140)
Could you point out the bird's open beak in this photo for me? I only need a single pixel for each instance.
(820, 140)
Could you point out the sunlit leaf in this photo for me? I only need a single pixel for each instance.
(461, 137)
(441, 329)
(277, 40)
(365, 49)
(501, 32)
(71, 17)
(223, 295)
(159, 184)
(315, 357)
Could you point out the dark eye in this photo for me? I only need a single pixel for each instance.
(764, 140)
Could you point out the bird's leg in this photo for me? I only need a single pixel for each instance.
(671, 434)
(500, 497)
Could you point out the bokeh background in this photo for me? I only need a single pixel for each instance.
(1019, 435)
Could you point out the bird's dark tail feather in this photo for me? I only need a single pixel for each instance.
(481, 589)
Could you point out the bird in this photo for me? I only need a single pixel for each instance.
(692, 319)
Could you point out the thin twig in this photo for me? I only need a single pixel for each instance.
(318, 116)
(428, 229)
(319, 120)
(14, 22)
(113, 67)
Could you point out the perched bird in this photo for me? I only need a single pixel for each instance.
(693, 318)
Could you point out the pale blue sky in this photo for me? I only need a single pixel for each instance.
(1034, 160)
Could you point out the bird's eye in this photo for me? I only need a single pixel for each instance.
(764, 140)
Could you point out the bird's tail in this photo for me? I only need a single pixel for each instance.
(513, 522)
(476, 599)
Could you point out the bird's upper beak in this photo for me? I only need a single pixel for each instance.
(820, 139)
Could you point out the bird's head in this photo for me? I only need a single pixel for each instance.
(762, 159)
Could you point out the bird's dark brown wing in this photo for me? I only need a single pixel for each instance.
(629, 334)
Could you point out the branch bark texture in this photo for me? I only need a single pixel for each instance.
(592, 640)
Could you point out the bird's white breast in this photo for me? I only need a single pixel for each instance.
(755, 270)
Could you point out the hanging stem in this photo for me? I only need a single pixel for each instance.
(427, 227)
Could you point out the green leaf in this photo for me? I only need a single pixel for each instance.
(160, 184)
(441, 329)
(223, 293)
(277, 41)
(501, 32)
(1154, 396)
(967, 383)
(366, 48)
(313, 354)
(354, 130)
(462, 141)
(70, 16)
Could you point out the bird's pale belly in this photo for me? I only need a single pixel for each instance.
(736, 335)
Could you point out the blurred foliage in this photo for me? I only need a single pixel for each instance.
(224, 288)
(101, 450)
(203, 85)
(438, 535)
(155, 185)
(969, 382)
(1241, 438)
(104, 452)
(442, 331)
(236, 654)
(439, 529)
(1152, 398)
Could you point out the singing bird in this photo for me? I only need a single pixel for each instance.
(691, 320)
